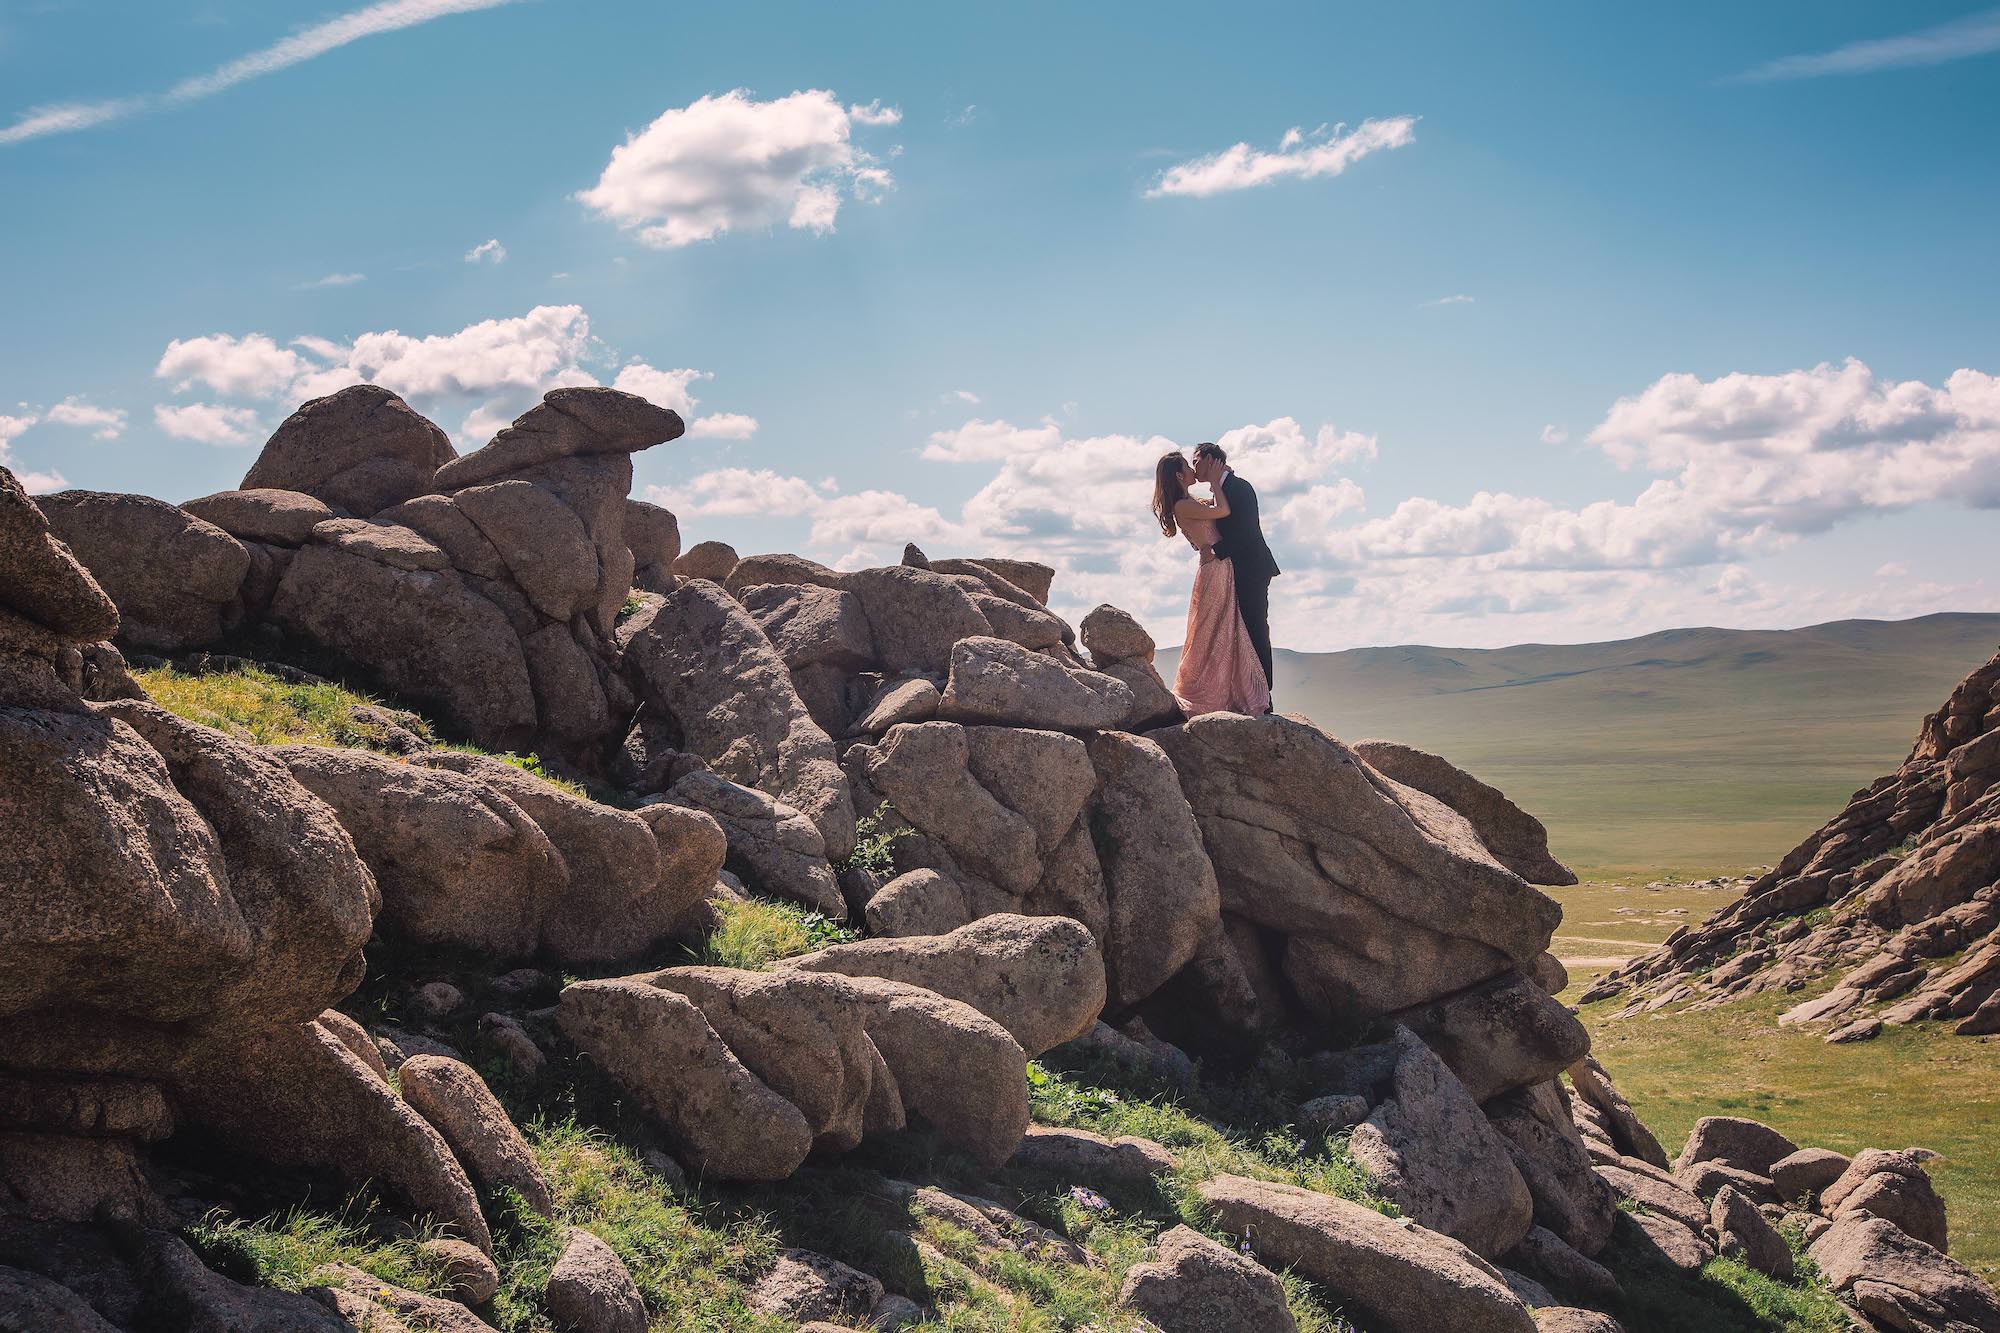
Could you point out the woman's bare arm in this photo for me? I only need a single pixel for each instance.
(1191, 508)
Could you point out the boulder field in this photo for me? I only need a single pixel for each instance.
(1033, 851)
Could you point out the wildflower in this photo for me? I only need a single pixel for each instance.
(1088, 1198)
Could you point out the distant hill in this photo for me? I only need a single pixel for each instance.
(1695, 750)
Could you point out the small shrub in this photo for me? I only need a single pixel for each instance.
(755, 934)
(872, 843)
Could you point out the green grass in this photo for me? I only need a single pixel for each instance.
(1912, 1086)
(285, 1250)
(272, 711)
(1691, 750)
(277, 712)
(756, 933)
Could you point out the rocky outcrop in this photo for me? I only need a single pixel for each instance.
(701, 659)
(1435, 1156)
(995, 681)
(174, 577)
(748, 1071)
(1041, 978)
(1404, 1278)
(1193, 1285)
(359, 451)
(1907, 875)
(1384, 898)
(1516, 838)
(1898, 1281)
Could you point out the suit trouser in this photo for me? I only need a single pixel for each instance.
(1253, 604)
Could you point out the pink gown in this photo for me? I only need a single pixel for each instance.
(1219, 670)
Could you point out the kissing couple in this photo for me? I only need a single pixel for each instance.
(1226, 656)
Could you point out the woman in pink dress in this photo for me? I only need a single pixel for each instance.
(1219, 671)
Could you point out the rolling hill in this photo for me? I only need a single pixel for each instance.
(1691, 751)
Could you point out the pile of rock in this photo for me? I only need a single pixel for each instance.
(486, 587)
(1904, 877)
(1873, 1224)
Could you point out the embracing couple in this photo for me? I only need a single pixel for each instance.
(1226, 656)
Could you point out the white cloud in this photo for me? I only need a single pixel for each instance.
(667, 388)
(486, 373)
(877, 519)
(1745, 465)
(36, 483)
(1895, 569)
(209, 423)
(317, 40)
(1326, 151)
(722, 426)
(739, 492)
(729, 162)
(1459, 299)
(487, 252)
(964, 396)
(1960, 39)
(252, 366)
(333, 280)
(1554, 434)
(988, 441)
(103, 423)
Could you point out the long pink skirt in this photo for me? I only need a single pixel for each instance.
(1219, 670)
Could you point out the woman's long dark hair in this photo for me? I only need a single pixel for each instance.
(1168, 490)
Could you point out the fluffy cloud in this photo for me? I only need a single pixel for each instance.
(729, 162)
(483, 375)
(209, 423)
(722, 426)
(13, 428)
(1746, 464)
(487, 252)
(103, 423)
(1326, 151)
(740, 492)
(333, 280)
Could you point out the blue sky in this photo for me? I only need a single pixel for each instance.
(1550, 322)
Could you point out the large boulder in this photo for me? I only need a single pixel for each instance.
(1386, 898)
(1570, 1199)
(771, 845)
(1893, 1186)
(1193, 1285)
(168, 882)
(812, 626)
(1516, 838)
(46, 592)
(1901, 1282)
(174, 577)
(1500, 1035)
(1111, 635)
(620, 898)
(359, 450)
(422, 633)
(1403, 1278)
(750, 1071)
(456, 1101)
(1627, 1132)
(541, 541)
(654, 535)
(1041, 978)
(457, 860)
(278, 518)
(1747, 1145)
(997, 681)
(1161, 888)
(1432, 1154)
(591, 1291)
(297, 1096)
(697, 656)
(1743, 1232)
(567, 423)
(658, 1046)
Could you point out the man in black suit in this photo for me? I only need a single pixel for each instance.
(1240, 540)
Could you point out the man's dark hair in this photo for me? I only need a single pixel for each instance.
(1210, 450)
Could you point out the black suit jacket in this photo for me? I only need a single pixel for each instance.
(1240, 537)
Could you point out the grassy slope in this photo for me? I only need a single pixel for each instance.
(1694, 751)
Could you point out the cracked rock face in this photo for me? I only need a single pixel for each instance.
(1385, 897)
